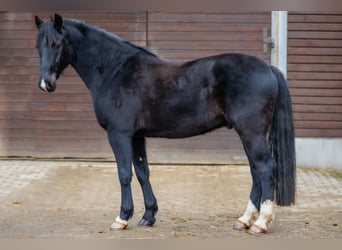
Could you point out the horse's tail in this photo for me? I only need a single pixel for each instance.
(282, 144)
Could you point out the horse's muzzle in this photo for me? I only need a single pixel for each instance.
(47, 86)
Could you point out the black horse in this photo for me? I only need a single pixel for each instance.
(137, 95)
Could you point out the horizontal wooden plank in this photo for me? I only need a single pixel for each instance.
(31, 86)
(76, 125)
(307, 34)
(298, 116)
(18, 61)
(9, 116)
(317, 100)
(315, 51)
(319, 125)
(49, 99)
(99, 16)
(108, 26)
(314, 76)
(170, 27)
(75, 107)
(204, 36)
(336, 43)
(336, 133)
(315, 67)
(73, 144)
(332, 84)
(56, 134)
(82, 15)
(65, 84)
(317, 108)
(15, 35)
(122, 26)
(314, 59)
(13, 52)
(16, 133)
(76, 98)
(16, 16)
(244, 17)
(16, 123)
(321, 92)
(22, 44)
(202, 45)
(18, 70)
(21, 143)
(134, 35)
(315, 26)
(194, 54)
(18, 26)
(314, 18)
(18, 107)
(63, 115)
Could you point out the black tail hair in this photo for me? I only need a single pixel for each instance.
(282, 144)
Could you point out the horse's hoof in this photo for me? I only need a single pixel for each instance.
(256, 230)
(119, 224)
(240, 226)
(145, 223)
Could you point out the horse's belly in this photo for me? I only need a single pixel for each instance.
(183, 128)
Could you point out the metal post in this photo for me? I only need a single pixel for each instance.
(279, 37)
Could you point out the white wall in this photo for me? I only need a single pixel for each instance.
(319, 153)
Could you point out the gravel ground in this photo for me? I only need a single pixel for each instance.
(76, 200)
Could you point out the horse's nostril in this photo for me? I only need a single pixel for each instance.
(48, 85)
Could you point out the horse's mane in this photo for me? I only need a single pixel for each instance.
(106, 35)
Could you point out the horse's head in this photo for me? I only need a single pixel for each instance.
(53, 51)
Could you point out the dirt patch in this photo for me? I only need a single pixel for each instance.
(81, 199)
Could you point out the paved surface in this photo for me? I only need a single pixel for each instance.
(61, 199)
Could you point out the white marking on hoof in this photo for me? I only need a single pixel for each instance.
(266, 216)
(43, 85)
(119, 224)
(251, 213)
(255, 230)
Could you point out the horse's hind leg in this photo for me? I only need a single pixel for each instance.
(142, 172)
(263, 172)
(252, 211)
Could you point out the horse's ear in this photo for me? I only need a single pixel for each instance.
(38, 21)
(58, 23)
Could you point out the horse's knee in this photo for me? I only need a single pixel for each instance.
(125, 179)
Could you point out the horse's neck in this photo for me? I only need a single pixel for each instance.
(94, 60)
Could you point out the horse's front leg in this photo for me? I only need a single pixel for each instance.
(143, 174)
(121, 144)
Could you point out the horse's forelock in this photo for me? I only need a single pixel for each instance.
(48, 32)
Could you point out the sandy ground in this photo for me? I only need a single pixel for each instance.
(76, 200)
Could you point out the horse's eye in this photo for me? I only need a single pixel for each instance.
(55, 45)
